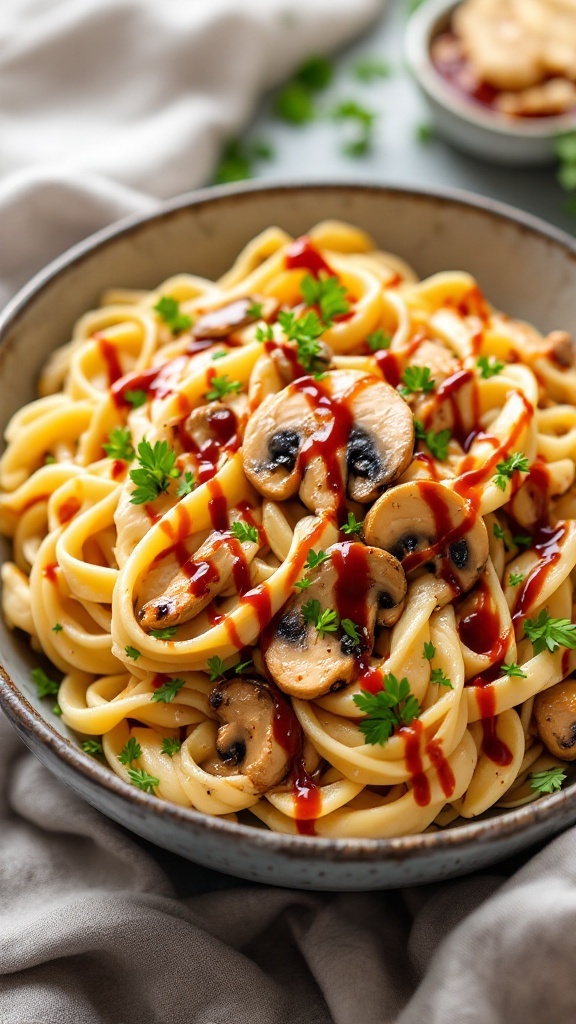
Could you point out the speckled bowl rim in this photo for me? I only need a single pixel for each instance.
(554, 809)
(418, 37)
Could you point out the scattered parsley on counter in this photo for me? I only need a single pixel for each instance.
(170, 746)
(549, 781)
(157, 468)
(222, 386)
(489, 367)
(163, 634)
(119, 444)
(315, 73)
(506, 469)
(351, 525)
(92, 747)
(132, 652)
(369, 68)
(294, 104)
(168, 310)
(353, 112)
(547, 633)
(237, 160)
(378, 340)
(168, 691)
(425, 132)
(46, 687)
(131, 752)
(416, 378)
(186, 485)
(392, 706)
(244, 532)
(143, 780)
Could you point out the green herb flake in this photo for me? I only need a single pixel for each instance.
(378, 341)
(57, 628)
(513, 671)
(168, 309)
(437, 444)
(143, 780)
(157, 468)
(489, 367)
(186, 485)
(168, 691)
(429, 651)
(390, 708)
(46, 687)
(167, 633)
(135, 398)
(119, 444)
(170, 746)
(244, 532)
(515, 578)
(548, 781)
(547, 633)
(517, 462)
(416, 378)
(131, 752)
(438, 677)
(327, 293)
(132, 652)
(367, 69)
(222, 386)
(351, 525)
(93, 747)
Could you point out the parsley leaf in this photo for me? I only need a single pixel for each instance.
(437, 676)
(119, 444)
(49, 460)
(499, 533)
(168, 691)
(157, 468)
(316, 558)
(163, 634)
(368, 68)
(92, 747)
(168, 309)
(513, 670)
(505, 470)
(131, 752)
(327, 293)
(324, 621)
(186, 485)
(294, 104)
(378, 340)
(222, 386)
(522, 540)
(425, 132)
(46, 686)
(416, 378)
(132, 652)
(56, 709)
(57, 628)
(237, 159)
(170, 746)
(489, 367)
(135, 398)
(143, 780)
(351, 630)
(302, 584)
(216, 668)
(429, 651)
(392, 706)
(515, 578)
(437, 444)
(363, 119)
(549, 781)
(265, 333)
(255, 310)
(549, 633)
(244, 532)
(351, 525)
(305, 331)
(315, 73)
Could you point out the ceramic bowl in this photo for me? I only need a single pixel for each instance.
(466, 124)
(526, 268)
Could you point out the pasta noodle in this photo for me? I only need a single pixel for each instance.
(301, 541)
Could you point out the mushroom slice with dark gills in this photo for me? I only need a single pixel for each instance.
(555, 716)
(245, 709)
(223, 320)
(219, 560)
(346, 433)
(355, 582)
(429, 527)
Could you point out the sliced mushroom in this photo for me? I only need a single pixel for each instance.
(555, 716)
(305, 663)
(349, 431)
(222, 321)
(285, 358)
(246, 710)
(440, 360)
(561, 348)
(203, 576)
(425, 525)
(214, 423)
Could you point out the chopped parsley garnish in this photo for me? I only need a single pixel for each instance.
(56, 709)
(438, 676)
(186, 485)
(168, 691)
(522, 540)
(499, 533)
(416, 378)
(163, 634)
(378, 340)
(168, 310)
(429, 651)
(170, 746)
(327, 293)
(351, 525)
(216, 668)
(565, 148)
(132, 652)
(437, 444)
(368, 68)
(513, 671)
(244, 532)
(506, 469)
(265, 333)
(157, 468)
(353, 112)
(237, 159)
(489, 367)
(515, 578)
(119, 444)
(305, 331)
(324, 621)
(219, 355)
(548, 633)
(302, 584)
(241, 666)
(548, 781)
(92, 747)
(46, 687)
(316, 558)
(143, 780)
(255, 310)
(57, 628)
(222, 386)
(315, 73)
(392, 706)
(351, 630)
(49, 460)
(425, 132)
(135, 398)
(131, 752)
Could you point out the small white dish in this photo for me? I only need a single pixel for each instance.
(468, 125)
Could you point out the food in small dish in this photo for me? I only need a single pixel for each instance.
(300, 541)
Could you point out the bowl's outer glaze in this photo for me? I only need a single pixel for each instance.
(524, 268)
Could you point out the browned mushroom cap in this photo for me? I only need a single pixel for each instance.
(426, 525)
(304, 662)
(222, 321)
(555, 716)
(202, 577)
(561, 348)
(348, 431)
(245, 708)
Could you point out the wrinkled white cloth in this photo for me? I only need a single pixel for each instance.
(105, 107)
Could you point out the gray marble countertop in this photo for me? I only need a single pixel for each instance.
(314, 151)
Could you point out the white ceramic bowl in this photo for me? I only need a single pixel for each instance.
(524, 267)
(469, 126)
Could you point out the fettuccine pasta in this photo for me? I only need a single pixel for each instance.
(301, 541)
